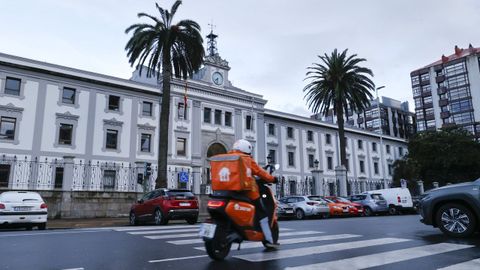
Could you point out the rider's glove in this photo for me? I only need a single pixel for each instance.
(275, 180)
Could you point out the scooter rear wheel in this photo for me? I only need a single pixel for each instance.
(218, 247)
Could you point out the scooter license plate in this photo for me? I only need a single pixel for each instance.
(207, 230)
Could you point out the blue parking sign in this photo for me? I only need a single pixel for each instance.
(183, 177)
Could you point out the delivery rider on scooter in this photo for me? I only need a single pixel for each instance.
(244, 149)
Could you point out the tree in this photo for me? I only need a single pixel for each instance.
(444, 156)
(338, 82)
(164, 46)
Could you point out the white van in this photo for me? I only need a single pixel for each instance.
(398, 199)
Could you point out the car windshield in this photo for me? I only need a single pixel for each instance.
(340, 199)
(358, 198)
(328, 200)
(377, 197)
(315, 198)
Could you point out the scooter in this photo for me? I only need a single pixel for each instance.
(233, 220)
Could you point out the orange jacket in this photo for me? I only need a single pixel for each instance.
(256, 171)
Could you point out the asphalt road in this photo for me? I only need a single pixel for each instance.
(385, 242)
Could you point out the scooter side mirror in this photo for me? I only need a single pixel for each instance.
(277, 166)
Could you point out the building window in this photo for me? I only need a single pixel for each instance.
(400, 151)
(374, 147)
(68, 95)
(218, 117)
(347, 163)
(112, 139)
(228, 119)
(272, 154)
(390, 168)
(291, 157)
(362, 166)
(12, 86)
(388, 149)
(311, 159)
(360, 144)
(375, 167)
(58, 178)
(330, 163)
(290, 132)
(310, 136)
(65, 134)
(7, 128)
(207, 115)
(109, 177)
(113, 103)
(271, 129)
(328, 138)
(181, 147)
(248, 123)
(4, 175)
(147, 108)
(145, 142)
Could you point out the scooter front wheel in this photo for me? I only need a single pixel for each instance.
(218, 247)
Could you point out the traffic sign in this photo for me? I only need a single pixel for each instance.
(183, 177)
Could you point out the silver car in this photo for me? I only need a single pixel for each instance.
(372, 203)
(307, 206)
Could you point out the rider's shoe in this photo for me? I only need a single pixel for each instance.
(272, 245)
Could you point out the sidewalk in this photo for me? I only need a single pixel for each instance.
(98, 222)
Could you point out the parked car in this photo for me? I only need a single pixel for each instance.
(338, 209)
(372, 203)
(284, 210)
(307, 206)
(355, 209)
(454, 209)
(162, 205)
(24, 209)
(399, 200)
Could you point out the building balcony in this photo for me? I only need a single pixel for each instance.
(440, 79)
(447, 125)
(438, 67)
(442, 90)
(426, 82)
(428, 105)
(430, 116)
(426, 93)
(431, 128)
(443, 102)
(444, 115)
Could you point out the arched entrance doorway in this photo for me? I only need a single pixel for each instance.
(213, 149)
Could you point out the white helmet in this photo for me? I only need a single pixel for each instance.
(243, 146)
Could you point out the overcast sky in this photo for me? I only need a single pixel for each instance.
(268, 43)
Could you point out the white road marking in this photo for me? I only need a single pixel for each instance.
(74, 268)
(177, 259)
(296, 240)
(165, 231)
(289, 253)
(383, 258)
(49, 233)
(155, 237)
(469, 265)
(150, 228)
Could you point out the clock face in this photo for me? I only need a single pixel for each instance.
(217, 78)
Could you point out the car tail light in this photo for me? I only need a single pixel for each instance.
(43, 206)
(2, 206)
(312, 203)
(215, 203)
(398, 199)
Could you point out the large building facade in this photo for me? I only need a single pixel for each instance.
(74, 130)
(446, 92)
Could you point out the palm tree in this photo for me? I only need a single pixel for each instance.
(339, 83)
(164, 46)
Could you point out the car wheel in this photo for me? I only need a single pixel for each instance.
(392, 210)
(42, 226)
(192, 220)
(159, 218)
(133, 219)
(299, 214)
(456, 220)
(367, 211)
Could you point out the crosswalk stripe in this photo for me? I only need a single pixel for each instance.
(199, 240)
(156, 237)
(469, 265)
(149, 228)
(379, 259)
(164, 231)
(289, 253)
(296, 240)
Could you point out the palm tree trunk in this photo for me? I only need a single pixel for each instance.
(162, 181)
(341, 134)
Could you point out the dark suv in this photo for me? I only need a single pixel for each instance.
(454, 209)
(161, 205)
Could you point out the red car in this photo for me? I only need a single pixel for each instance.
(161, 205)
(356, 209)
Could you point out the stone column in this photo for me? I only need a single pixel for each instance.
(197, 179)
(435, 185)
(238, 124)
(420, 187)
(196, 130)
(68, 175)
(318, 180)
(341, 175)
(363, 184)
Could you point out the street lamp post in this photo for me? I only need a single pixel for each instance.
(382, 160)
